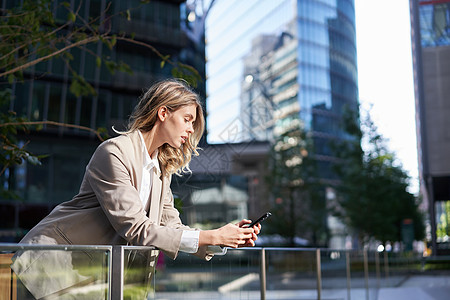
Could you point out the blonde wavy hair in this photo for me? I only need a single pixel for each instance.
(173, 94)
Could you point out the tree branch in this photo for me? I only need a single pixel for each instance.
(56, 124)
(122, 38)
(33, 41)
(38, 60)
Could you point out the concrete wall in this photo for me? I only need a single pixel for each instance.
(436, 75)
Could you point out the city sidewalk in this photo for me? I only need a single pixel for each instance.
(419, 287)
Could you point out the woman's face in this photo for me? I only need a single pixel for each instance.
(179, 125)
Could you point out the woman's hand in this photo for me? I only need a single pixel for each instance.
(230, 235)
(256, 231)
(256, 228)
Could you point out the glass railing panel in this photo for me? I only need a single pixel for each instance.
(387, 280)
(373, 273)
(398, 267)
(335, 279)
(84, 272)
(139, 267)
(358, 277)
(231, 276)
(291, 273)
(35, 271)
(435, 265)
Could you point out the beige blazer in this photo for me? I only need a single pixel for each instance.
(108, 211)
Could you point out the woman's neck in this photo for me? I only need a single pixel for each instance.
(151, 141)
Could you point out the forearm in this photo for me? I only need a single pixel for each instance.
(208, 238)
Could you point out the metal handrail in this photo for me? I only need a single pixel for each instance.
(116, 262)
(14, 247)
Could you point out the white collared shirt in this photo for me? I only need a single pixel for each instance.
(150, 167)
(189, 238)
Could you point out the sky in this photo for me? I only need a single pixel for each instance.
(385, 76)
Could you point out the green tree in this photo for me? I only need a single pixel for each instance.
(373, 198)
(299, 206)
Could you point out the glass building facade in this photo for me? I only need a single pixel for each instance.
(273, 66)
(45, 95)
(430, 21)
(434, 23)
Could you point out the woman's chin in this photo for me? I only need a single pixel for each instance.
(176, 145)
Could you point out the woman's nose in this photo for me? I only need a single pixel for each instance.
(190, 128)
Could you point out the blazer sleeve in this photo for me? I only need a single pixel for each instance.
(171, 218)
(112, 177)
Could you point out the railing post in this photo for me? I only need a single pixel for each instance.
(377, 267)
(386, 265)
(366, 273)
(319, 274)
(262, 275)
(117, 273)
(347, 262)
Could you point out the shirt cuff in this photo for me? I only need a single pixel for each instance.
(189, 241)
(216, 250)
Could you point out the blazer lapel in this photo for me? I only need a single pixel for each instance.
(155, 199)
(165, 186)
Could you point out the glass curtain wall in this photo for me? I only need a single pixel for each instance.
(273, 66)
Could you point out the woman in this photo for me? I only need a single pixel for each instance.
(125, 195)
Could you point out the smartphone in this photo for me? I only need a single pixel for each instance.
(260, 219)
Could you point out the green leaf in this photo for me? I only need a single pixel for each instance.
(123, 67)
(98, 62)
(80, 87)
(11, 78)
(112, 66)
(33, 160)
(128, 15)
(175, 73)
(80, 36)
(68, 55)
(106, 42)
(71, 17)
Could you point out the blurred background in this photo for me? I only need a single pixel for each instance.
(331, 114)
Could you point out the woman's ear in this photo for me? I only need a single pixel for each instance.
(162, 113)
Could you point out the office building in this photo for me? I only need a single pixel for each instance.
(273, 65)
(45, 95)
(430, 23)
(279, 68)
